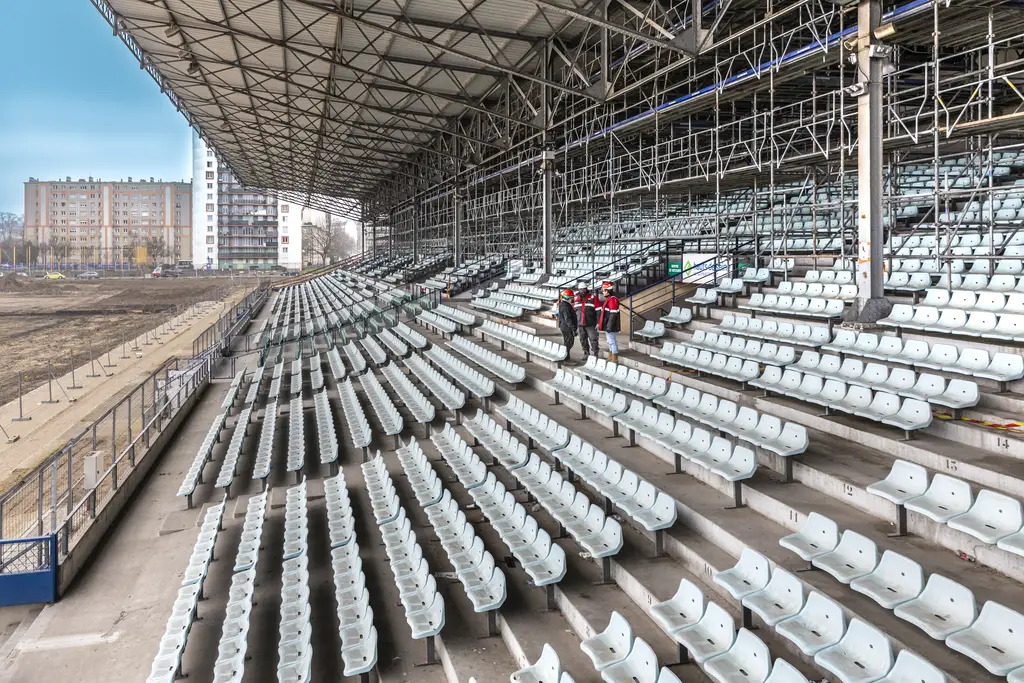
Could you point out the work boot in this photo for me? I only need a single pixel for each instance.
(613, 358)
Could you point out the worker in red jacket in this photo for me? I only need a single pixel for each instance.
(586, 305)
(609, 320)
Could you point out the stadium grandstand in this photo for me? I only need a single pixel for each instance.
(788, 236)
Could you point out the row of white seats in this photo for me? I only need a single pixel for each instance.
(857, 653)
(423, 604)
(355, 358)
(316, 373)
(296, 377)
(451, 397)
(650, 330)
(642, 502)
(419, 406)
(717, 454)
(703, 296)
(980, 283)
(327, 437)
(230, 664)
(435, 321)
(352, 599)
(474, 566)
(597, 534)
(942, 608)
(536, 425)
(1002, 367)
(703, 360)
(993, 518)
(542, 559)
(966, 300)
(770, 329)
(194, 475)
(456, 314)
(533, 292)
(524, 302)
(236, 383)
(817, 290)
(799, 305)
(487, 359)
(975, 239)
(254, 385)
(387, 412)
(525, 341)
(677, 316)
(621, 377)
(412, 337)
(374, 350)
(590, 395)
(938, 266)
(829, 277)
(355, 419)
(396, 345)
(1006, 326)
(166, 666)
(265, 448)
(493, 305)
(229, 466)
(742, 347)
(295, 649)
(957, 394)
(296, 436)
(474, 381)
(910, 414)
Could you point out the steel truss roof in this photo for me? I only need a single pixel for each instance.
(327, 98)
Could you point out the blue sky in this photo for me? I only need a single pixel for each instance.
(74, 102)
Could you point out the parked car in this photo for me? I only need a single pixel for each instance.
(89, 275)
(54, 276)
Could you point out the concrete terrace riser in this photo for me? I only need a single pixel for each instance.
(906, 450)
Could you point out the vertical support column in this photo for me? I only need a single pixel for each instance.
(457, 247)
(417, 216)
(871, 304)
(547, 227)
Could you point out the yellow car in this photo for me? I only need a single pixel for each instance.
(54, 276)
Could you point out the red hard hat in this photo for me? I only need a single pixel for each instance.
(568, 293)
(607, 285)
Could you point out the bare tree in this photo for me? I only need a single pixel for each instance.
(320, 241)
(156, 249)
(12, 226)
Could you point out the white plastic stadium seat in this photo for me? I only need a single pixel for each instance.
(896, 579)
(782, 598)
(750, 575)
(945, 498)
(682, 610)
(639, 666)
(943, 608)
(611, 645)
(747, 661)
(818, 535)
(547, 669)
(911, 668)
(992, 517)
(863, 654)
(784, 672)
(818, 625)
(712, 635)
(993, 640)
(855, 556)
(905, 480)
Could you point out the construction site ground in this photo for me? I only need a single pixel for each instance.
(45, 321)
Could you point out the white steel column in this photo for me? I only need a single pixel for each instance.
(871, 304)
(458, 228)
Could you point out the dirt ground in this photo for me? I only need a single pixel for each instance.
(41, 320)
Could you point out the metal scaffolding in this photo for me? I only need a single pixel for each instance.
(734, 122)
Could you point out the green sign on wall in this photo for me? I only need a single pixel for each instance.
(675, 267)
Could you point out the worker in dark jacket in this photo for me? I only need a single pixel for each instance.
(609, 320)
(567, 320)
(587, 308)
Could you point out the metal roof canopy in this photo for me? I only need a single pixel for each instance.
(320, 99)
